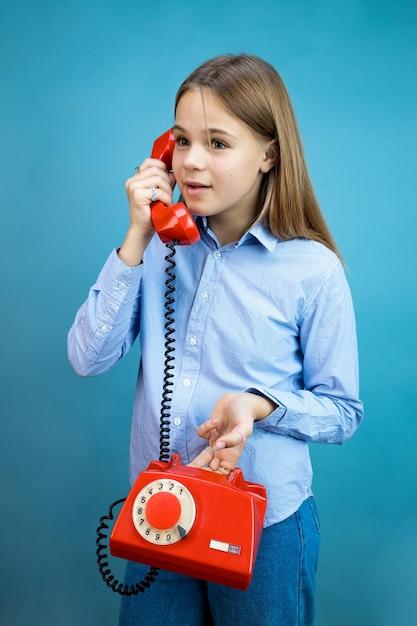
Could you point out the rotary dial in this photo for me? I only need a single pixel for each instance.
(164, 511)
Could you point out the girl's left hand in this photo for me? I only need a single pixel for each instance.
(229, 427)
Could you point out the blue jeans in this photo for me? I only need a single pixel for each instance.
(281, 592)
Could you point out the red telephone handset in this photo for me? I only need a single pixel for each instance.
(173, 223)
(192, 521)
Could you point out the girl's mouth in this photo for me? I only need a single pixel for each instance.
(195, 189)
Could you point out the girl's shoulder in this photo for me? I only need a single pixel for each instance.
(307, 252)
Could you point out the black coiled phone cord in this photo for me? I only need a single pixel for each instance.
(164, 452)
(111, 581)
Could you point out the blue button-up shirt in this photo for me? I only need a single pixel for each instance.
(273, 317)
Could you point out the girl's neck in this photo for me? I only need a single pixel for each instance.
(227, 229)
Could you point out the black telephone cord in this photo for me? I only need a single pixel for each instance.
(103, 565)
(164, 452)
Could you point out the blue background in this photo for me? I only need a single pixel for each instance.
(85, 87)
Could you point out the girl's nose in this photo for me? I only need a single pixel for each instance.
(195, 157)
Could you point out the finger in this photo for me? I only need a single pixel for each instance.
(155, 194)
(241, 433)
(151, 178)
(214, 464)
(206, 428)
(149, 189)
(224, 469)
(160, 183)
(236, 437)
(203, 459)
(148, 167)
(153, 163)
(148, 170)
(172, 179)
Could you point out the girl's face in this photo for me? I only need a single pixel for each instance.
(218, 164)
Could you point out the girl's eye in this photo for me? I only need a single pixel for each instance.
(218, 145)
(181, 141)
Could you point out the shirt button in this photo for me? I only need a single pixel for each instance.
(186, 382)
(217, 255)
(204, 296)
(177, 421)
(106, 328)
(193, 341)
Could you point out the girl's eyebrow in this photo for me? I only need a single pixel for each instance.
(211, 131)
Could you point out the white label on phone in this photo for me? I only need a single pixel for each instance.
(224, 547)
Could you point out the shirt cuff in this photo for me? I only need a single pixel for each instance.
(276, 416)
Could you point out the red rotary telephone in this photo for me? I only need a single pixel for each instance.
(192, 521)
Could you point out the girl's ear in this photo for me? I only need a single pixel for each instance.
(271, 156)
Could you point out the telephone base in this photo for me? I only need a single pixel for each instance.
(214, 535)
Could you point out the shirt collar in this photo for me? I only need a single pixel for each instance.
(263, 235)
(258, 231)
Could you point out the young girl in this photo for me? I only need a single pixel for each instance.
(265, 342)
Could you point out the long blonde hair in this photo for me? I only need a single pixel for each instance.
(253, 91)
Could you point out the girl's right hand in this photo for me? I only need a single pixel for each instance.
(151, 173)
